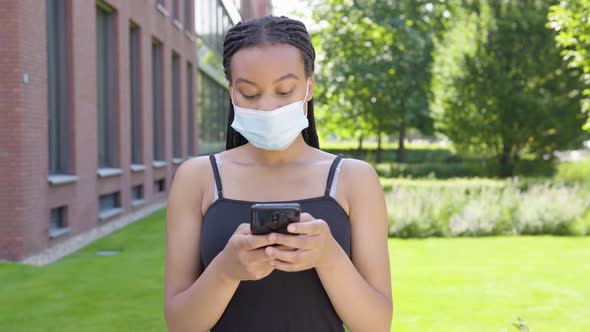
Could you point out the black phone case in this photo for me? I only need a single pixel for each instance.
(273, 217)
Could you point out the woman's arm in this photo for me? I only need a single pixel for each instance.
(195, 299)
(360, 290)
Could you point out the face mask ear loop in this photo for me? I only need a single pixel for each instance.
(305, 99)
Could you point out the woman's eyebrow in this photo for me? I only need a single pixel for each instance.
(284, 77)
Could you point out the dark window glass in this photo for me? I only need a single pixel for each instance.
(190, 109)
(57, 75)
(136, 116)
(57, 218)
(157, 120)
(105, 81)
(176, 132)
(109, 202)
(212, 112)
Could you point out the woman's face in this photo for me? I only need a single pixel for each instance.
(268, 77)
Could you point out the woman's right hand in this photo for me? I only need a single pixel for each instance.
(244, 257)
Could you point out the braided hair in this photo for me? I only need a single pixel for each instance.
(269, 30)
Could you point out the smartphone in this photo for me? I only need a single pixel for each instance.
(273, 217)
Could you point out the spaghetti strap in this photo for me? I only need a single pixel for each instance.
(332, 173)
(217, 177)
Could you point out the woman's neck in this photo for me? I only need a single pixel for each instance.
(293, 154)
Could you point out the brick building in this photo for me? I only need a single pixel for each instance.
(100, 102)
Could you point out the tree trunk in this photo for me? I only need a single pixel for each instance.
(359, 150)
(402, 136)
(378, 156)
(506, 167)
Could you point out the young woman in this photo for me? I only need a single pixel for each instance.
(219, 276)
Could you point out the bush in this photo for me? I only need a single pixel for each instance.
(413, 155)
(432, 170)
(574, 172)
(425, 208)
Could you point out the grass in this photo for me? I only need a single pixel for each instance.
(466, 284)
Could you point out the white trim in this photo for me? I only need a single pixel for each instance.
(177, 24)
(232, 11)
(108, 172)
(53, 233)
(159, 163)
(61, 179)
(109, 213)
(137, 202)
(191, 36)
(177, 161)
(162, 10)
(137, 168)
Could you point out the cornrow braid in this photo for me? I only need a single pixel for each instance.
(269, 30)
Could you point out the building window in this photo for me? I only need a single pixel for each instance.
(106, 87)
(214, 21)
(109, 205)
(58, 224)
(160, 186)
(135, 81)
(175, 10)
(176, 131)
(137, 195)
(157, 102)
(58, 93)
(190, 109)
(213, 111)
(109, 202)
(188, 11)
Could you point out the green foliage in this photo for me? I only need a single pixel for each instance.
(500, 87)
(571, 19)
(374, 67)
(572, 172)
(460, 207)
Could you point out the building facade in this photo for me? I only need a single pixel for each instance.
(100, 102)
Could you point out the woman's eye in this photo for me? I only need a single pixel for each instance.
(250, 97)
(285, 93)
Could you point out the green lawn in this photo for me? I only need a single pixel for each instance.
(479, 284)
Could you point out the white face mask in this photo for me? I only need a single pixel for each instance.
(271, 130)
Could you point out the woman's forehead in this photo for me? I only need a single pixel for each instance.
(265, 64)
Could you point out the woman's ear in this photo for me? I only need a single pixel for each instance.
(311, 88)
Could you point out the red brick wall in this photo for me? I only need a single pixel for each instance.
(26, 202)
(11, 127)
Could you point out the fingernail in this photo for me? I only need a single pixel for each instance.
(291, 228)
(272, 237)
(269, 251)
(272, 263)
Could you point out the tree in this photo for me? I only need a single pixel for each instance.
(500, 87)
(375, 58)
(571, 19)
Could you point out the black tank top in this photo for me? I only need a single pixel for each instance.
(282, 301)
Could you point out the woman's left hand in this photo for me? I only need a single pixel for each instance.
(312, 248)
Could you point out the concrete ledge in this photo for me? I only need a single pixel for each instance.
(191, 36)
(137, 168)
(159, 163)
(53, 233)
(138, 202)
(61, 179)
(162, 10)
(177, 161)
(109, 214)
(177, 24)
(108, 172)
(79, 241)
